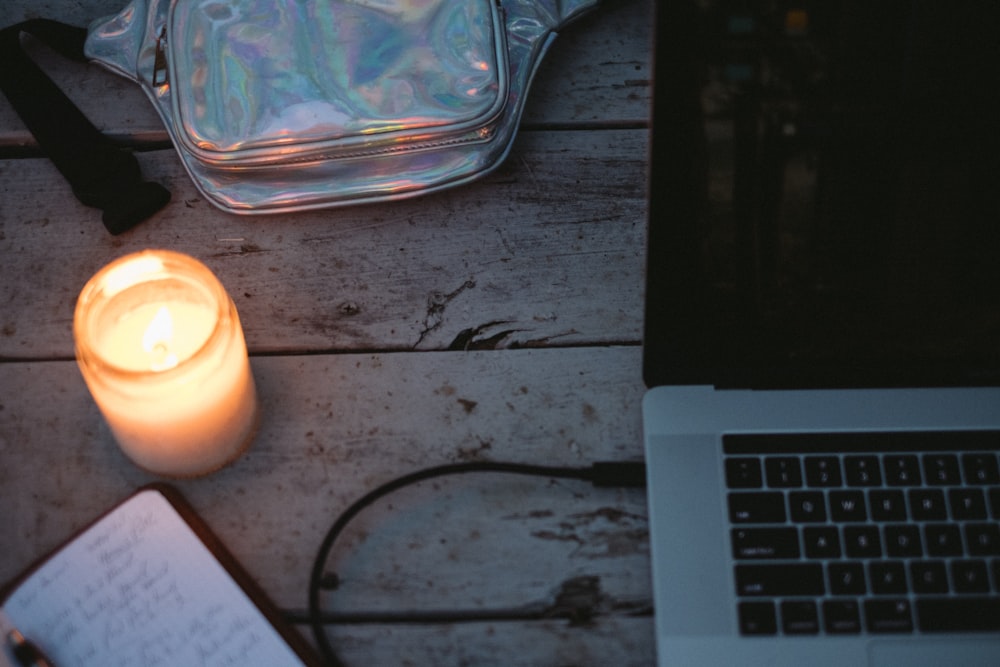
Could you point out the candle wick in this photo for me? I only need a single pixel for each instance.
(163, 358)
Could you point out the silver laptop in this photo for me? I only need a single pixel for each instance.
(822, 342)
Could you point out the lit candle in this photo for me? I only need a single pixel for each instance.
(160, 346)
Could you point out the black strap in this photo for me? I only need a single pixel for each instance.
(102, 174)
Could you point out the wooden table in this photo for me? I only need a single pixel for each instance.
(498, 321)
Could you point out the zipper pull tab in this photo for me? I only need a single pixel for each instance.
(160, 77)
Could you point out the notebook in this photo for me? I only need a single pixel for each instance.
(147, 583)
(822, 334)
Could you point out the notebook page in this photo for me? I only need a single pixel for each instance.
(140, 588)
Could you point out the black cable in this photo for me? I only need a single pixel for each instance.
(603, 474)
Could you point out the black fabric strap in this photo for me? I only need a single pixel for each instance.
(101, 173)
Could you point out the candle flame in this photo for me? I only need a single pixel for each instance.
(156, 340)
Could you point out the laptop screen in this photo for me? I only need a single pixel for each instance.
(824, 195)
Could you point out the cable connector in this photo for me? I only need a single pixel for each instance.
(618, 473)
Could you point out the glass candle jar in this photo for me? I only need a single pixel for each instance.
(160, 346)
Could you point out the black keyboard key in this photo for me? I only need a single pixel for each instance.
(807, 506)
(783, 472)
(847, 578)
(994, 496)
(903, 541)
(862, 542)
(929, 576)
(885, 616)
(958, 614)
(743, 473)
(862, 471)
(763, 507)
(758, 618)
(969, 576)
(927, 505)
(941, 470)
(902, 470)
(942, 539)
(821, 541)
(771, 543)
(841, 617)
(981, 468)
(967, 504)
(982, 539)
(887, 505)
(787, 579)
(848, 506)
(799, 617)
(823, 471)
(887, 577)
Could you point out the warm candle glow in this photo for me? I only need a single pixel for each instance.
(160, 346)
(156, 340)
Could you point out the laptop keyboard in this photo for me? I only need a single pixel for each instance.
(848, 533)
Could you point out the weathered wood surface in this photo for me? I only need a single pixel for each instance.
(335, 426)
(616, 641)
(572, 86)
(496, 321)
(547, 250)
(452, 270)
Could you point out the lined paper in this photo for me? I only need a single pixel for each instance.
(140, 588)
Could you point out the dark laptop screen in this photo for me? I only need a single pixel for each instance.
(825, 194)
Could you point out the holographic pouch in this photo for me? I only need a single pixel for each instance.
(287, 105)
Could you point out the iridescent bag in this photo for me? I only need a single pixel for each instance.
(288, 105)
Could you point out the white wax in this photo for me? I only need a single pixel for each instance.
(155, 336)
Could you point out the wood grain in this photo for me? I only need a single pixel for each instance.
(496, 321)
(335, 426)
(597, 72)
(546, 251)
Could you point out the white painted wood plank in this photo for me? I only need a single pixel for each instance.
(547, 250)
(335, 427)
(621, 642)
(78, 12)
(597, 71)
